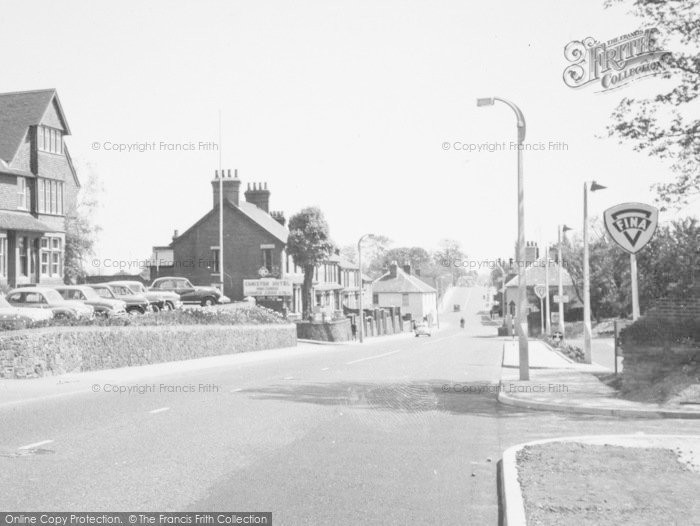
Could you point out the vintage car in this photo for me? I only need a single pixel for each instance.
(160, 300)
(135, 303)
(106, 307)
(423, 329)
(19, 317)
(46, 298)
(189, 293)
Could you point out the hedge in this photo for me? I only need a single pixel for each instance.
(245, 315)
(57, 350)
(659, 332)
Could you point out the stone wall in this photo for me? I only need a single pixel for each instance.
(329, 331)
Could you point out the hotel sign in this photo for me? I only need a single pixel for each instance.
(267, 287)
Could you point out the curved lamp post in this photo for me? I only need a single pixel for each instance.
(587, 330)
(521, 313)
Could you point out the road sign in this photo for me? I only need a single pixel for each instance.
(540, 291)
(631, 225)
(267, 287)
(561, 299)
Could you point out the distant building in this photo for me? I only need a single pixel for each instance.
(38, 187)
(399, 288)
(255, 259)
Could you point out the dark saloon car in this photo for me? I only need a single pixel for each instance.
(135, 304)
(189, 293)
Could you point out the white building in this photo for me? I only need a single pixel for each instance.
(399, 288)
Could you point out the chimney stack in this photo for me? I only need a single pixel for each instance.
(407, 268)
(231, 186)
(175, 234)
(393, 269)
(279, 217)
(259, 196)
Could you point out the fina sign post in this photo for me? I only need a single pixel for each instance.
(631, 226)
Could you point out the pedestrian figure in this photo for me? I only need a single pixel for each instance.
(353, 328)
(461, 323)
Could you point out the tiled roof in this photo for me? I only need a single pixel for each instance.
(402, 283)
(18, 111)
(21, 221)
(535, 275)
(264, 219)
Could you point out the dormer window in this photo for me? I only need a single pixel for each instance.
(50, 140)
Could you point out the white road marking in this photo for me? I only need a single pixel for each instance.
(288, 378)
(372, 357)
(236, 390)
(325, 368)
(36, 444)
(159, 410)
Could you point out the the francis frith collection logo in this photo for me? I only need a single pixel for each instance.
(614, 63)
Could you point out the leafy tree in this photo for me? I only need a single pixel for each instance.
(662, 126)
(666, 268)
(81, 231)
(310, 245)
(451, 256)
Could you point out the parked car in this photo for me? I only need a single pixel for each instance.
(189, 293)
(19, 317)
(46, 298)
(160, 300)
(423, 329)
(103, 306)
(135, 304)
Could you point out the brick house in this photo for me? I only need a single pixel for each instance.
(255, 239)
(38, 187)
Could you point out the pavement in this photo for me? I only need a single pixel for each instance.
(686, 447)
(392, 431)
(558, 385)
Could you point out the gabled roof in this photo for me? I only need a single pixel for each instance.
(535, 275)
(252, 212)
(402, 283)
(19, 111)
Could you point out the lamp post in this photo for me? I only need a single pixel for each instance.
(361, 328)
(548, 321)
(587, 330)
(563, 229)
(521, 320)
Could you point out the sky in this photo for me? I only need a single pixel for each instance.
(343, 105)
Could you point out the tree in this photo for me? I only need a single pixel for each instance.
(662, 126)
(81, 231)
(666, 268)
(451, 256)
(310, 245)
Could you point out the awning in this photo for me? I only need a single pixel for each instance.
(22, 221)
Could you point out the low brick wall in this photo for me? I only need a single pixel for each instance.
(330, 331)
(646, 364)
(56, 350)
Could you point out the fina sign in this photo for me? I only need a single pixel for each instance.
(631, 225)
(267, 287)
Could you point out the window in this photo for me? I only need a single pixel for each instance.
(404, 300)
(41, 188)
(23, 246)
(23, 194)
(51, 256)
(50, 140)
(215, 260)
(375, 299)
(3, 257)
(50, 199)
(267, 258)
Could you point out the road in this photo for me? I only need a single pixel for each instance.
(380, 433)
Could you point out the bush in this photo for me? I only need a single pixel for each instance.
(572, 351)
(656, 332)
(246, 315)
(56, 350)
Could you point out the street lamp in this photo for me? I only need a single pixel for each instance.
(521, 321)
(563, 229)
(359, 263)
(587, 330)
